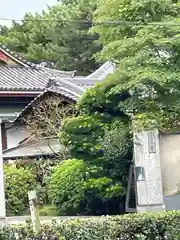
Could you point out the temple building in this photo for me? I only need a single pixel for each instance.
(21, 82)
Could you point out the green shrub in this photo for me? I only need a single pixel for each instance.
(67, 187)
(42, 168)
(79, 189)
(18, 181)
(164, 226)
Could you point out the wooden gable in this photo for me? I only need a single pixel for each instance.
(7, 57)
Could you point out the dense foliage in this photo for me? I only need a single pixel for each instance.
(66, 187)
(144, 44)
(76, 190)
(145, 47)
(129, 227)
(3, 30)
(17, 184)
(105, 146)
(144, 88)
(39, 172)
(58, 37)
(105, 143)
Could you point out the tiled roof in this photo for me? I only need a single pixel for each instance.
(61, 87)
(26, 76)
(60, 73)
(102, 72)
(99, 75)
(71, 88)
(65, 88)
(18, 78)
(82, 82)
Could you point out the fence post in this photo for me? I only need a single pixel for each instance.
(2, 193)
(34, 211)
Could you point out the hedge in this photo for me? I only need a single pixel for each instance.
(127, 227)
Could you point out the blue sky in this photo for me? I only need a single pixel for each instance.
(17, 8)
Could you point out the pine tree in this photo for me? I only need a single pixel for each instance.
(58, 36)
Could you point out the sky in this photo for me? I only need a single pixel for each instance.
(15, 9)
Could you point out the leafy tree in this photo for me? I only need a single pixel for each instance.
(102, 185)
(58, 37)
(82, 135)
(98, 141)
(145, 47)
(94, 139)
(144, 88)
(117, 151)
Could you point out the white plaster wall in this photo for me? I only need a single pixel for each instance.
(15, 135)
(170, 163)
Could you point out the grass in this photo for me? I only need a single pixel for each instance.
(48, 210)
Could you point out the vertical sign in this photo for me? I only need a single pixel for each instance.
(151, 142)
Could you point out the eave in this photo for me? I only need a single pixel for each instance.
(19, 93)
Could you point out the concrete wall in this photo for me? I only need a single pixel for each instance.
(15, 135)
(172, 202)
(170, 163)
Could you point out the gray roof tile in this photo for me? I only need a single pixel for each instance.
(26, 76)
(22, 79)
(18, 78)
(33, 77)
(60, 73)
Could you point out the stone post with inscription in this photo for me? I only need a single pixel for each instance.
(147, 167)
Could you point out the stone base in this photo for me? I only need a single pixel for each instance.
(151, 209)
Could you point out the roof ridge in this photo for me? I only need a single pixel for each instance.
(61, 82)
(105, 69)
(71, 73)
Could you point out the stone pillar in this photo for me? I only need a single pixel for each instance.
(149, 192)
(2, 194)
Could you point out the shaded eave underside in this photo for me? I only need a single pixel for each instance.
(39, 147)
